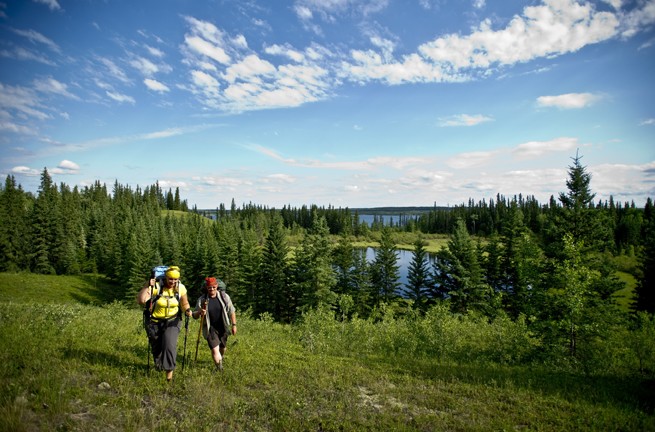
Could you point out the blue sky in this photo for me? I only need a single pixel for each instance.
(349, 103)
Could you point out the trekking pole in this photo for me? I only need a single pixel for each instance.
(186, 333)
(146, 324)
(202, 321)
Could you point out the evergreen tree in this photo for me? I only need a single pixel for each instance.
(571, 295)
(418, 276)
(135, 265)
(384, 269)
(458, 275)
(343, 257)
(645, 290)
(227, 236)
(274, 294)
(579, 217)
(314, 279)
(249, 262)
(44, 225)
(522, 261)
(14, 240)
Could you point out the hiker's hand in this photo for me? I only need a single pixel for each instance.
(234, 330)
(203, 312)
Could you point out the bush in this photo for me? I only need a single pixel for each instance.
(439, 334)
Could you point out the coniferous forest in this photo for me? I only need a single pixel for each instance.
(552, 267)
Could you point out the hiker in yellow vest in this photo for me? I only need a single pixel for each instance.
(219, 318)
(164, 328)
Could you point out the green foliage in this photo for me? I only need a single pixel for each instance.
(80, 367)
(384, 270)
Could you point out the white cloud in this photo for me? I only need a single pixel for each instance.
(303, 12)
(638, 19)
(284, 178)
(145, 66)
(51, 85)
(205, 48)
(22, 101)
(206, 83)
(534, 149)
(470, 159)
(568, 101)
(616, 4)
(11, 127)
(26, 171)
(286, 51)
(155, 85)
(554, 28)
(463, 120)
(21, 53)
(119, 97)
(330, 9)
(68, 167)
(249, 67)
(155, 52)
(36, 37)
(551, 29)
(52, 4)
(648, 122)
(114, 70)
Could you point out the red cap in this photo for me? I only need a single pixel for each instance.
(210, 281)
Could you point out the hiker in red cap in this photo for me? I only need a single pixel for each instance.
(218, 318)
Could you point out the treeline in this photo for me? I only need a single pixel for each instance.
(551, 263)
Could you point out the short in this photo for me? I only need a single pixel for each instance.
(215, 339)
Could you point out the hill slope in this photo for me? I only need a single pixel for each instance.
(66, 365)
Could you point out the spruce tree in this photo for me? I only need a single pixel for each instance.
(314, 278)
(384, 269)
(418, 276)
(343, 262)
(44, 225)
(273, 292)
(14, 233)
(249, 262)
(645, 290)
(457, 274)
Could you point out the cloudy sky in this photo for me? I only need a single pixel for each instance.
(349, 103)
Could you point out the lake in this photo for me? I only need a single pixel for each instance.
(386, 218)
(404, 261)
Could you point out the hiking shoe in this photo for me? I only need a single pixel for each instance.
(219, 366)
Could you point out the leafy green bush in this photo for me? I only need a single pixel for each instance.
(438, 335)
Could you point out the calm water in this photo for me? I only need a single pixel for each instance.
(387, 218)
(404, 261)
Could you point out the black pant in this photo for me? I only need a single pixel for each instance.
(163, 337)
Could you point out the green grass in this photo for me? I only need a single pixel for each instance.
(625, 296)
(75, 366)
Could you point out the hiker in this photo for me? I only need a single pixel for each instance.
(220, 320)
(166, 313)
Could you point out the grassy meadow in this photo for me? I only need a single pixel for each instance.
(71, 359)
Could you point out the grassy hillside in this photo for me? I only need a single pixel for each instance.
(68, 364)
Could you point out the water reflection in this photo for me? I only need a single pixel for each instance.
(405, 258)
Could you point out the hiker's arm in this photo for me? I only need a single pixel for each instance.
(233, 323)
(144, 295)
(184, 304)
